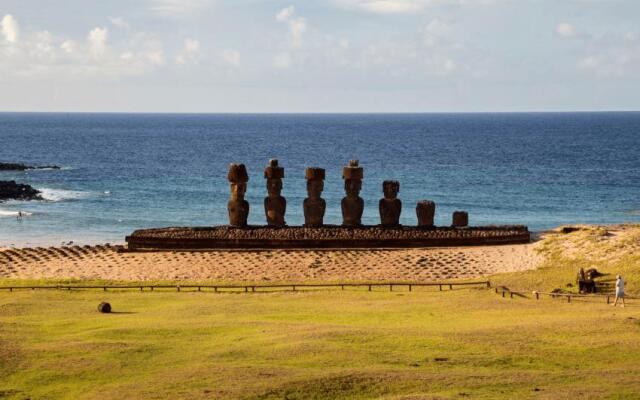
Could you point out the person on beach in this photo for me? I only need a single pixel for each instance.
(619, 290)
(19, 216)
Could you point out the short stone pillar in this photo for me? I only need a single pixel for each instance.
(460, 219)
(390, 206)
(237, 206)
(275, 206)
(352, 204)
(314, 206)
(426, 211)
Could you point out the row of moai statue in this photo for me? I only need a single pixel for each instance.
(275, 206)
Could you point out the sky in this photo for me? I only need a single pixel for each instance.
(245, 56)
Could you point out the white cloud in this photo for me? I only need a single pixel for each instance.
(68, 46)
(297, 25)
(178, 8)
(282, 60)
(190, 52)
(97, 40)
(610, 55)
(435, 32)
(285, 13)
(231, 57)
(119, 22)
(565, 29)
(402, 6)
(10, 28)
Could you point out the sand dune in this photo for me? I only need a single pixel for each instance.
(105, 262)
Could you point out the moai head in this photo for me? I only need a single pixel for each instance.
(238, 178)
(315, 182)
(390, 189)
(352, 175)
(274, 174)
(425, 211)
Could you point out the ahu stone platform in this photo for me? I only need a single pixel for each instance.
(325, 237)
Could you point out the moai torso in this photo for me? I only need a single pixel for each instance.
(390, 206)
(238, 212)
(314, 206)
(352, 204)
(275, 206)
(237, 206)
(425, 211)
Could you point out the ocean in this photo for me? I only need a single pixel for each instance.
(121, 172)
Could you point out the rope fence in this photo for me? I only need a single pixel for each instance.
(504, 291)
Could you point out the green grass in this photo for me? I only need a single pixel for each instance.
(314, 345)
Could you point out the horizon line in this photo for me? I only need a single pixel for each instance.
(318, 112)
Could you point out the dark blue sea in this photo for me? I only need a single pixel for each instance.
(122, 172)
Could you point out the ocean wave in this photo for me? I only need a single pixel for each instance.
(48, 169)
(633, 212)
(7, 214)
(62, 194)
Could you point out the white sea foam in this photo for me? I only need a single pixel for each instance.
(62, 194)
(7, 214)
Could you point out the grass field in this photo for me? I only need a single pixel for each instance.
(354, 344)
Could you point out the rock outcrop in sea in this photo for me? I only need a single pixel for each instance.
(10, 190)
(24, 167)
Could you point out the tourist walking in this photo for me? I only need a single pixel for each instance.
(619, 290)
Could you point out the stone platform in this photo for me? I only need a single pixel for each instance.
(326, 237)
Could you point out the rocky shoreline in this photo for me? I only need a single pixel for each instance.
(24, 167)
(10, 190)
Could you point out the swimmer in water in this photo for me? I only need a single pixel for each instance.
(19, 217)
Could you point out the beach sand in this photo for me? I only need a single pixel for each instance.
(105, 262)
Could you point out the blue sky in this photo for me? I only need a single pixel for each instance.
(319, 56)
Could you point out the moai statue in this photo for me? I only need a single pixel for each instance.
(352, 204)
(390, 206)
(314, 205)
(275, 205)
(237, 206)
(425, 210)
(460, 219)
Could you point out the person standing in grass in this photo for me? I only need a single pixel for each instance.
(619, 290)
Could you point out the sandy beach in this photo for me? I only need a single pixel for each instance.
(106, 262)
